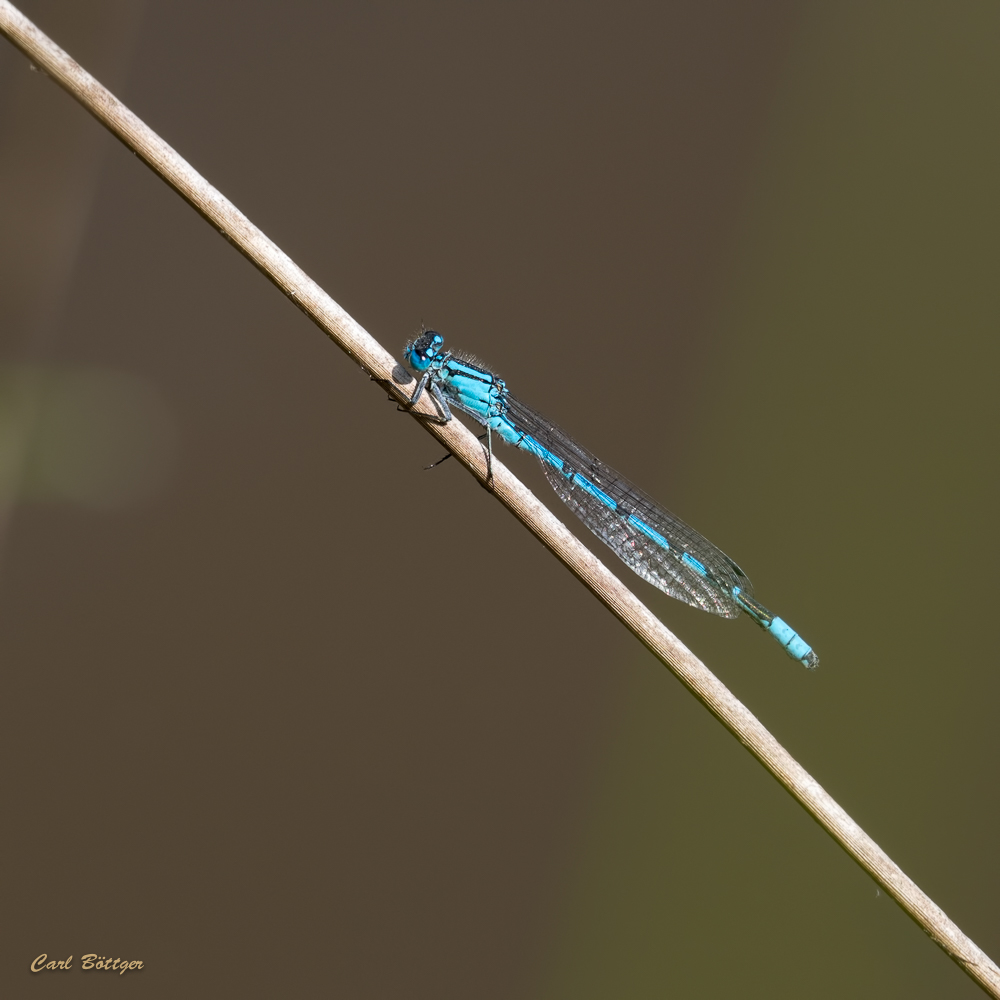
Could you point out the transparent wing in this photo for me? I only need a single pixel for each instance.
(664, 567)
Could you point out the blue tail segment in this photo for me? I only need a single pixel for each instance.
(792, 643)
(654, 543)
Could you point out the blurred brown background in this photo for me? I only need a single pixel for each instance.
(285, 715)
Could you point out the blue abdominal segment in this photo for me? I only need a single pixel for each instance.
(695, 565)
(796, 647)
(649, 539)
(792, 643)
(653, 536)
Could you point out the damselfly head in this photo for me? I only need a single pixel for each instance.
(422, 351)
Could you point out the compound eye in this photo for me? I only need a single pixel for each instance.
(428, 344)
(424, 349)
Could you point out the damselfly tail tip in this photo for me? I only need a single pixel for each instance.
(810, 661)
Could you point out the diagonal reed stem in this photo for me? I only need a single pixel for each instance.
(383, 368)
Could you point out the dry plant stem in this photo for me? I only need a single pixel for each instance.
(383, 368)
